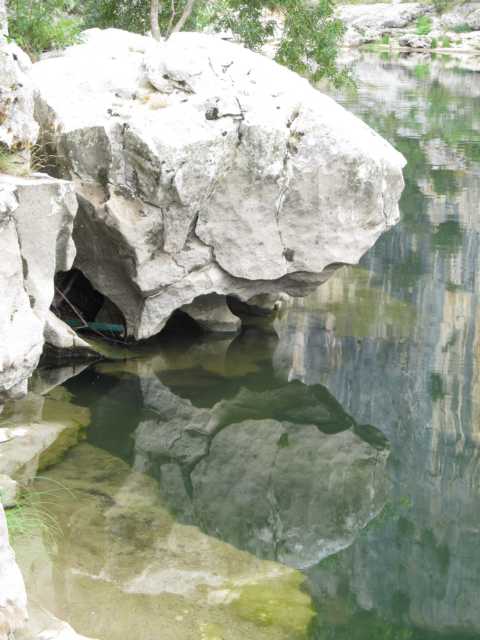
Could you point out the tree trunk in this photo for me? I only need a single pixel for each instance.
(154, 26)
(187, 12)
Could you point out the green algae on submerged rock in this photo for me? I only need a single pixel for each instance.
(35, 432)
(123, 566)
(281, 604)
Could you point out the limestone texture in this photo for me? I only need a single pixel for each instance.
(18, 127)
(203, 168)
(36, 222)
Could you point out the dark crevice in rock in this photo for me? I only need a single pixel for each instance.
(81, 306)
(240, 308)
(180, 326)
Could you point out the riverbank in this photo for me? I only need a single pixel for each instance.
(412, 26)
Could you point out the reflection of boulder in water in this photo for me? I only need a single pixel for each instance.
(175, 429)
(294, 490)
(288, 491)
(274, 467)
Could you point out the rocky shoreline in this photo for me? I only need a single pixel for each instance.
(408, 26)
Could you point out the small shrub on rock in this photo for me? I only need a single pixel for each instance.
(423, 25)
(462, 28)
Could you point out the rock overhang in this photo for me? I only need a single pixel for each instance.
(219, 171)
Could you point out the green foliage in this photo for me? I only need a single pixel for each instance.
(444, 182)
(309, 41)
(40, 25)
(446, 42)
(434, 43)
(448, 236)
(462, 28)
(385, 39)
(134, 15)
(308, 44)
(423, 25)
(440, 5)
(31, 516)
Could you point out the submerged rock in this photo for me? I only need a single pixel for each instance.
(124, 568)
(42, 625)
(35, 432)
(203, 168)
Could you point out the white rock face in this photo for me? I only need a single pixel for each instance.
(368, 22)
(36, 221)
(3, 20)
(13, 600)
(205, 168)
(17, 125)
(414, 41)
(465, 14)
(381, 14)
(456, 29)
(59, 335)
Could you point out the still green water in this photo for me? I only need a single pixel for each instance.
(316, 478)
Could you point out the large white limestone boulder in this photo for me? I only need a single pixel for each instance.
(204, 168)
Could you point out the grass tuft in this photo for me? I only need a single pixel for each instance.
(423, 25)
(32, 514)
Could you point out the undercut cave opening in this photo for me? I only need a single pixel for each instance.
(180, 327)
(85, 309)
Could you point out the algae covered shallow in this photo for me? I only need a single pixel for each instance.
(123, 567)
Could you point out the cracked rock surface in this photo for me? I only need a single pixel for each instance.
(17, 125)
(36, 221)
(203, 168)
